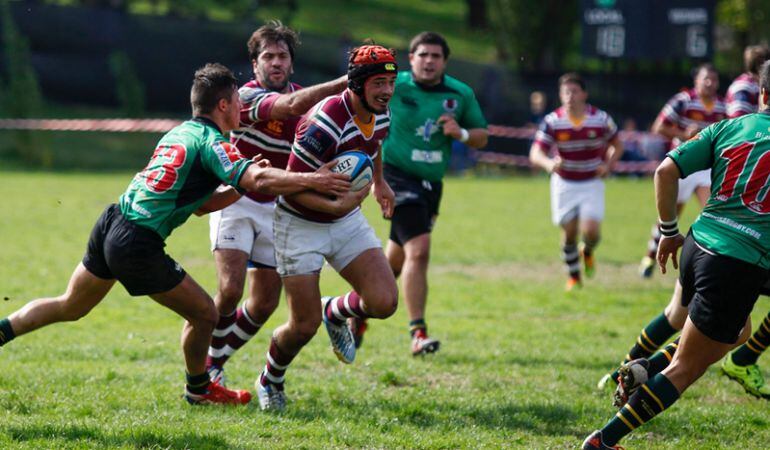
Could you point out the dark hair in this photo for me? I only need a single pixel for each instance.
(754, 56)
(272, 32)
(703, 66)
(764, 76)
(211, 83)
(430, 38)
(572, 77)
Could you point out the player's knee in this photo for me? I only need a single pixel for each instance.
(305, 330)
(229, 295)
(264, 307)
(205, 318)
(72, 310)
(382, 305)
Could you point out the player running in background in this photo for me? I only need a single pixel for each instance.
(587, 147)
(242, 233)
(429, 110)
(742, 98)
(724, 261)
(681, 118)
(126, 244)
(311, 228)
(743, 93)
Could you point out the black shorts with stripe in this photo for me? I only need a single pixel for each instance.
(132, 254)
(719, 291)
(417, 204)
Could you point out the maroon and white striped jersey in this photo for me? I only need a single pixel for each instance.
(581, 146)
(742, 96)
(686, 108)
(258, 134)
(324, 132)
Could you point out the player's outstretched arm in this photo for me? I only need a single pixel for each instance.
(300, 101)
(282, 182)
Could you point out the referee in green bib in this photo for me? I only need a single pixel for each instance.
(429, 109)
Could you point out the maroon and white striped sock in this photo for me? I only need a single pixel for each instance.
(339, 309)
(242, 330)
(275, 367)
(219, 339)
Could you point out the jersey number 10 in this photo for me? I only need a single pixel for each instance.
(754, 195)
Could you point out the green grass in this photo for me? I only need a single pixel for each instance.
(517, 368)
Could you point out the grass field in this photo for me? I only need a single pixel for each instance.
(517, 368)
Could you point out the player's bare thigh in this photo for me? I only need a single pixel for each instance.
(675, 312)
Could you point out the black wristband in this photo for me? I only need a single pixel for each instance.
(668, 229)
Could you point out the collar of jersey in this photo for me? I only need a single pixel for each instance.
(440, 86)
(206, 121)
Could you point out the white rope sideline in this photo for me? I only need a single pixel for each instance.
(164, 125)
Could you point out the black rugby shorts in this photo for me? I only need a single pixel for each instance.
(417, 204)
(132, 254)
(719, 291)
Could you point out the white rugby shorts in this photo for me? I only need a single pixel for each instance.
(570, 199)
(302, 245)
(688, 185)
(247, 226)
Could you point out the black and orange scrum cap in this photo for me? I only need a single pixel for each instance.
(367, 61)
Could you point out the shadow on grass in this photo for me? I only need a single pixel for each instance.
(536, 418)
(136, 439)
(601, 364)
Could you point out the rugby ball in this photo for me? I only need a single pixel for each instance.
(356, 164)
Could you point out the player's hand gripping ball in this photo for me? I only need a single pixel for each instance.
(356, 164)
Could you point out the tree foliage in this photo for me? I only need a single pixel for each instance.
(21, 96)
(535, 35)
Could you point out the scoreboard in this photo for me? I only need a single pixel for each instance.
(647, 29)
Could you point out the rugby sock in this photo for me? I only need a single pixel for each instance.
(662, 359)
(571, 257)
(275, 368)
(657, 332)
(339, 309)
(245, 328)
(652, 244)
(748, 353)
(649, 400)
(589, 246)
(219, 340)
(198, 384)
(418, 325)
(6, 332)
(659, 360)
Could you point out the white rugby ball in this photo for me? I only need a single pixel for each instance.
(356, 164)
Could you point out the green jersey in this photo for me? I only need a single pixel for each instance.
(416, 144)
(188, 164)
(736, 220)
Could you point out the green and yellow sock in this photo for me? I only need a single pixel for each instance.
(6, 332)
(651, 399)
(198, 384)
(748, 353)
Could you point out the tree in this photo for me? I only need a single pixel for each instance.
(21, 91)
(534, 34)
(477, 14)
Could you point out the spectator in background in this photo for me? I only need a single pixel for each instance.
(632, 145)
(538, 103)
